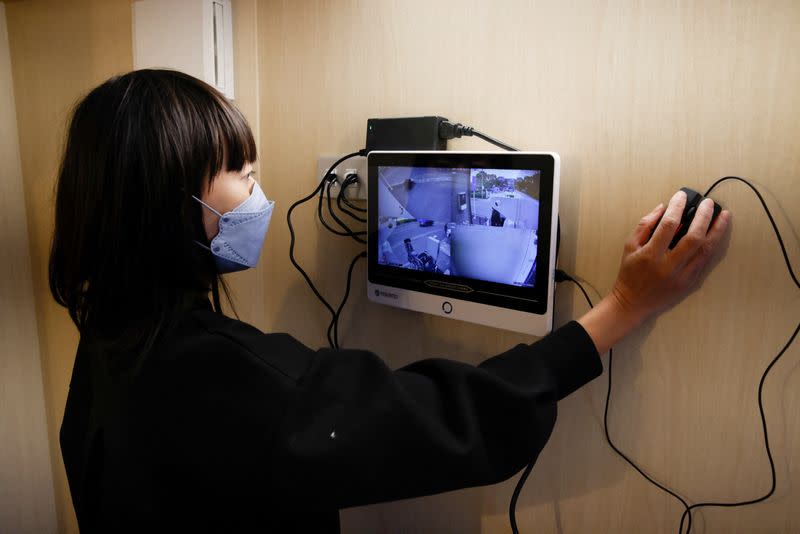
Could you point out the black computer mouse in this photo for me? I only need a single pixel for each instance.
(693, 200)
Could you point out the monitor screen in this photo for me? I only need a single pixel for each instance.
(477, 223)
(470, 235)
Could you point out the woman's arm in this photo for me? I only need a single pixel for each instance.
(356, 432)
(340, 428)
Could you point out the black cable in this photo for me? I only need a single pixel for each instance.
(351, 180)
(294, 261)
(769, 215)
(686, 516)
(352, 206)
(334, 324)
(512, 507)
(343, 225)
(491, 140)
(347, 211)
(449, 130)
(347, 231)
(767, 495)
(568, 278)
(292, 236)
(348, 181)
(322, 220)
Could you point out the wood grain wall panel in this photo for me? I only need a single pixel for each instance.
(26, 479)
(59, 51)
(639, 98)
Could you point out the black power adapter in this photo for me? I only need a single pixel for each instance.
(420, 133)
(405, 133)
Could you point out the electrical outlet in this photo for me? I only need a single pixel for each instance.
(355, 165)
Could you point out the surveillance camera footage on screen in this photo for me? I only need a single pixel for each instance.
(471, 223)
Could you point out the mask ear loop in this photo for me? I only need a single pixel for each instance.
(218, 214)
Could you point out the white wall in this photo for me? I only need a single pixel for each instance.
(26, 479)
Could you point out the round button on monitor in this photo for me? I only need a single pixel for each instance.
(447, 307)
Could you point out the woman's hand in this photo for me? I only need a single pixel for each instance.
(652, 277)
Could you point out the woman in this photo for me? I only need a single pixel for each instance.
(179, 418)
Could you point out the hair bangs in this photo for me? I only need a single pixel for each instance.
(233, 144)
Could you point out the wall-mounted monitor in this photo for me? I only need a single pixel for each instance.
(465, 235)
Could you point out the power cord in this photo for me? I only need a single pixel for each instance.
(334, 324)
(292, 259)
(449, 130)
(562, 276)
(688, 512)
(342, 224)
(328, 182)
(769, 215)
(686, 516)
(349, 180)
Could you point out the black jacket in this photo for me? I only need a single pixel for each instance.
(227, 429)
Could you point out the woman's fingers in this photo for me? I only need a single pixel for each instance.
(669, 224)
(703, 254)
(695, 237)
(644, 229)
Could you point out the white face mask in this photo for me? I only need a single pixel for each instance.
(242, 230)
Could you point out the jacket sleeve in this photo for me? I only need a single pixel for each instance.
(355, 432)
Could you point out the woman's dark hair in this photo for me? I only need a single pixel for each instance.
(124, 260)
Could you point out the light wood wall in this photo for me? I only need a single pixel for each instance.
(27, 502)
(59, 51)
(639, 98)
